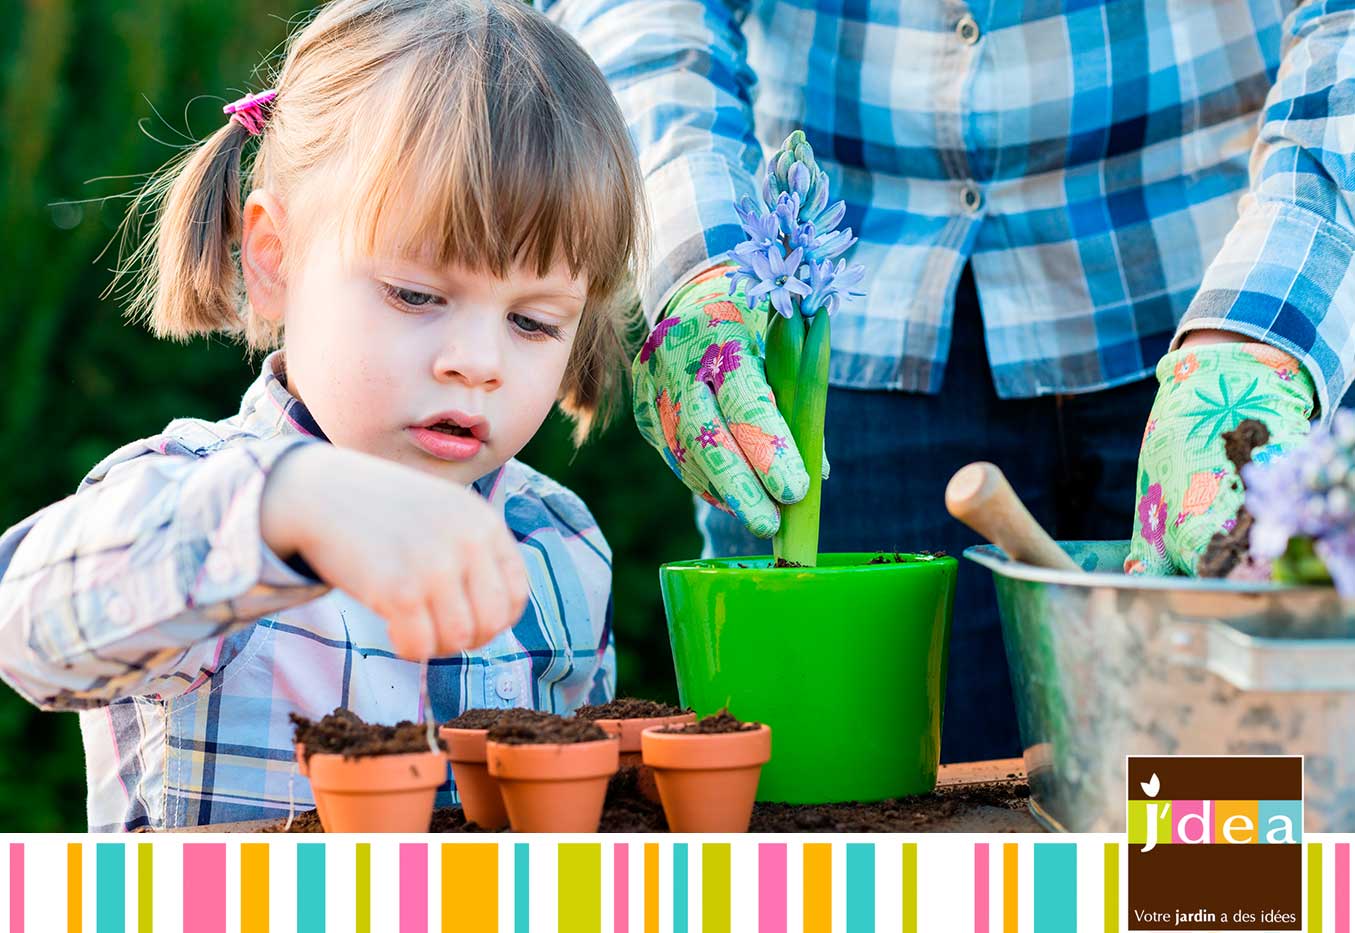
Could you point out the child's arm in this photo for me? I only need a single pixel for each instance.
(131, 586)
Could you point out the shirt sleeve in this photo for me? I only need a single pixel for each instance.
(131, 586)
(1283, 275)
(679, 71)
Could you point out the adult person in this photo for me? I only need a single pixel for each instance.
(1054, 203)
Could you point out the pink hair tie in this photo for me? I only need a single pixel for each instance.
(248, 110)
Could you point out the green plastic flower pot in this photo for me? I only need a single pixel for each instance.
(845, 661)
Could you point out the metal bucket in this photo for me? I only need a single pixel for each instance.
(1104, 665)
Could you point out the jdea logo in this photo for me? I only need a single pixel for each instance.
(1213, 842)
(1196, 822)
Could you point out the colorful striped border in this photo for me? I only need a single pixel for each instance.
(1049, 884)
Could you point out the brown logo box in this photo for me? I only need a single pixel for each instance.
(1177, 885)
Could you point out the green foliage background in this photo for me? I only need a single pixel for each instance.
(76, 77)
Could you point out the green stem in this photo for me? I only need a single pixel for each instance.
(785, 344)
(798, 536)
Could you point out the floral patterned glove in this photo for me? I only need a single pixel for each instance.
(702, 400)
(1187, 488)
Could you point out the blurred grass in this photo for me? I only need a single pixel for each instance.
(76, 76)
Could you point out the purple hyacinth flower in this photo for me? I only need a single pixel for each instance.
(777, 280)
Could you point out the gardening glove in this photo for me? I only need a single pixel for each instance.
(1188, 490)
(702, 400)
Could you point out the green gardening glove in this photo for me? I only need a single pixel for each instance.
(1187, 488)
(702, 400)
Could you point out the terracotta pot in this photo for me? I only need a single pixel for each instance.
(707, 782)
(554, 788)
(376, 794)
(479, 793)
(628, 730)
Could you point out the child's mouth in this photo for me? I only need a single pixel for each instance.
(446, 427)
(447, 441)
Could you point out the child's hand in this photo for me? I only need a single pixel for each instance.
(428, 556)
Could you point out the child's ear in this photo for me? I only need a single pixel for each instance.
(261, 255)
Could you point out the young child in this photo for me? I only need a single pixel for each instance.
(441, 227)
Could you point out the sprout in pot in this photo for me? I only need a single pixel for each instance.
(707, 771)
(366, 777)
(743, 628)
(466, 737)
(552, 772)
(626, 718)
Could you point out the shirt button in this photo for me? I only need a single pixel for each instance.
(967, 29)
(118, 609)
(506, 686)
(220, 566)
(971, 198)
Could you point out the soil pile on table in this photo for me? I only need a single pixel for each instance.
(717, 724)
(628, 708)
(343, 732)
(544, 729)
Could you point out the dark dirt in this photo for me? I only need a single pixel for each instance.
(782, 563)
(545, 729)
(343, 732)
(972, 808)
(1228, 549)
(628, 708)
(718, 724)
(487, 718)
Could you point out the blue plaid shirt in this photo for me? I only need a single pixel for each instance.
(149, 602)
(1091, 160)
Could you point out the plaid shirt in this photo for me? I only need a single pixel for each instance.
(149, 601)
(1089, 159)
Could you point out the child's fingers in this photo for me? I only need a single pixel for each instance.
(487, 592)
(453, 615)
(716, 448)
(412, 633)
(514, 574)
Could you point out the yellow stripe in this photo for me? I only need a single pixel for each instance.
(1112, 885)
(715, 887)
(470, 887)
(1010, 887)
(254, 887)
(910, 887)
(818, 879)
(74, 889)
(145, 888)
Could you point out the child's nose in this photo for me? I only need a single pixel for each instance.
(472, 355)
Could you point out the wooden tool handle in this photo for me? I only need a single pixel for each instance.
(980, 496)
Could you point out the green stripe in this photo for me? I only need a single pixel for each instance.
(579, 888)
(362, 888)
(111, 888)
(715, 887)
(145, 888)
(1314, 887)
(310, 887)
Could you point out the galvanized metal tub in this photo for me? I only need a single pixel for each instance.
(1105, 665)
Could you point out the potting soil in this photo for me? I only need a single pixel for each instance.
(544, 729)
(343, 732)
(1230, 549)
(628, 708)
(717, 724)
(487, 718)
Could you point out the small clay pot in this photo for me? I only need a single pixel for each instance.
(375, 794)
(628, 730)
(707, 782)
(557, 788)
(480, 798)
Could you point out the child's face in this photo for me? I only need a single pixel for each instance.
(379, 349)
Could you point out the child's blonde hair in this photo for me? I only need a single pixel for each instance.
(477, 130)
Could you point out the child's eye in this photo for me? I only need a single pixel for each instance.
(408, 297)
(534, 329)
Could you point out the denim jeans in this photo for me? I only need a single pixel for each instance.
(1071, 458)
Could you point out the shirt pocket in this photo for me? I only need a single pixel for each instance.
(504, 684)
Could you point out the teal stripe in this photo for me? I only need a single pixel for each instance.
(1056, 887)
(680, 887)
(860, 887)
(111, 888)
(522, 886)
(310, 887)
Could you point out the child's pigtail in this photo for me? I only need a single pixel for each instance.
(189, 279)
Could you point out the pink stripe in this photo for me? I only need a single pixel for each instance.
(1342, 886)
(771, 887)
(980, 887)
(16, 887)
(621, 888)
(413, 887)
(204, 887)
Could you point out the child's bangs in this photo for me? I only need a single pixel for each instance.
(487, 171)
